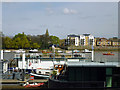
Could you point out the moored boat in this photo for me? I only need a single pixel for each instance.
(38, 76)
(86, 51)
(108, 54)
(33, 51)
(33, 85)
(87, 75)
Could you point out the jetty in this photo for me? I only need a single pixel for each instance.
(12, 81)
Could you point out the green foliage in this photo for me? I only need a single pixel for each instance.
(22, 41)
(35, 45)
(7, 42)
(62, 42)
(54, 40)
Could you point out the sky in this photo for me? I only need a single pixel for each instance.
(60, 18)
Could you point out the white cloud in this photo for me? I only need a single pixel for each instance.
(66, 11)
(49, 10)
(69, 11)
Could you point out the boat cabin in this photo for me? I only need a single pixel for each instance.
(87, 75)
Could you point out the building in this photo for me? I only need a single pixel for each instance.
(103, 42)
(115, 41)
(87, 39)
(72, 40)
(80, 40)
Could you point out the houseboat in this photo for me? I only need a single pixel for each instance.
(41, 66)
(87, 75)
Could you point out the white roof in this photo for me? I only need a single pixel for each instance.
(93, 64)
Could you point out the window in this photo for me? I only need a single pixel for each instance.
(108, 81)
(91, 41)
(108, 77)
(108, 71)
(82, 41)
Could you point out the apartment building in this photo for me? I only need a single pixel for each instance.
(115, 41)
(103, 42)
(80, 40)
(87, 39)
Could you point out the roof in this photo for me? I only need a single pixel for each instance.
(86, 34)
(73, 35)
(103, 39)
(93, 64)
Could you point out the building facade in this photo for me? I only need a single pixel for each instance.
(115, 41)
(80, 40)
(87, 39)
(103, 42)
(90, 40)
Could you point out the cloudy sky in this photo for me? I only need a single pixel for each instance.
(60, 18)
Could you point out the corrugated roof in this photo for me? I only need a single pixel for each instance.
(93, 64)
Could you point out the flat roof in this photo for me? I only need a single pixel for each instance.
(93, 64)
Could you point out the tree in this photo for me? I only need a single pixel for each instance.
(62, 42)
(35, 45)
(54, 40)
(16, 43)
(30, 41)
(21, 41)
(7, 42)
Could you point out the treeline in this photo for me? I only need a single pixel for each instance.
(23, 41)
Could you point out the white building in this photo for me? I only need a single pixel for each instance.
(81, 40)
(73, 40)
(87, 39)
(77, 40)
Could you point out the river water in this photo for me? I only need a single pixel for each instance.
(98, 56)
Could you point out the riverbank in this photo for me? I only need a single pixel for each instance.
(96, 48)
